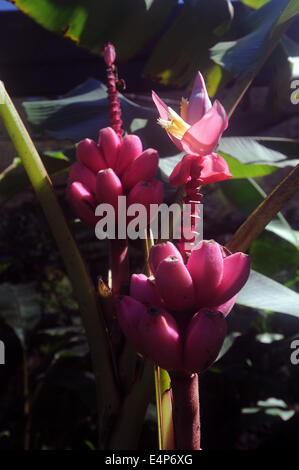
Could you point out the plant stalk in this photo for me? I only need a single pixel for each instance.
(131, 416)
(158, 405)
(264, 213)
(162, 380)
(186, 411)
(119, 265)
(107, 393)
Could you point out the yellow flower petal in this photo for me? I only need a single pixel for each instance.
(176, 125)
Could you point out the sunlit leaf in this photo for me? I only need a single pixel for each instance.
(272, 401)
(227, 344)
(246, 195)
(244, 57)
(251, 150)
(285, 415)
(248, 170)
(250, 411)
(283, 231)
(263, 293)
(255, 3)
(268, 338)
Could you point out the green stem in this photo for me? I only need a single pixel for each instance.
(162, 380)
(107, 394)
(158, 405)
(131, 416)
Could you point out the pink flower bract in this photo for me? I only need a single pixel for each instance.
(196, 131)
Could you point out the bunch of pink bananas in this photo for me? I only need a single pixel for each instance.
(113, 167)
(177, 317)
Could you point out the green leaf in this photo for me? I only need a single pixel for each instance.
(263, 293)
(250, 170)
(195, 29)
(250, 411)
(237, 168)
(20, 308)
(168, 164)
(246, 195)
(284, 231)
(191, 26)
(285, 146)
(14, 178)
(90, 445)
(272, 407)
(282, 63)
(138, 124)
(227, 344)
(279, 225)
(241, 195)
(92, 23)
(255, 3)
(276, 407)
(247, 157)
(244, 57)
(285, 415)
(272, 402)
(83, 111)
(148, 3)
(272, 256)
(268, 338)
(252, 150)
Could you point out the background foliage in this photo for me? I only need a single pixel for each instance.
(249, 397)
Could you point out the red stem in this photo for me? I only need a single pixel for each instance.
(192, 197)
(186, 411)
(113, 101)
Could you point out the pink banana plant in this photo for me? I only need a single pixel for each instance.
(176, 316)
